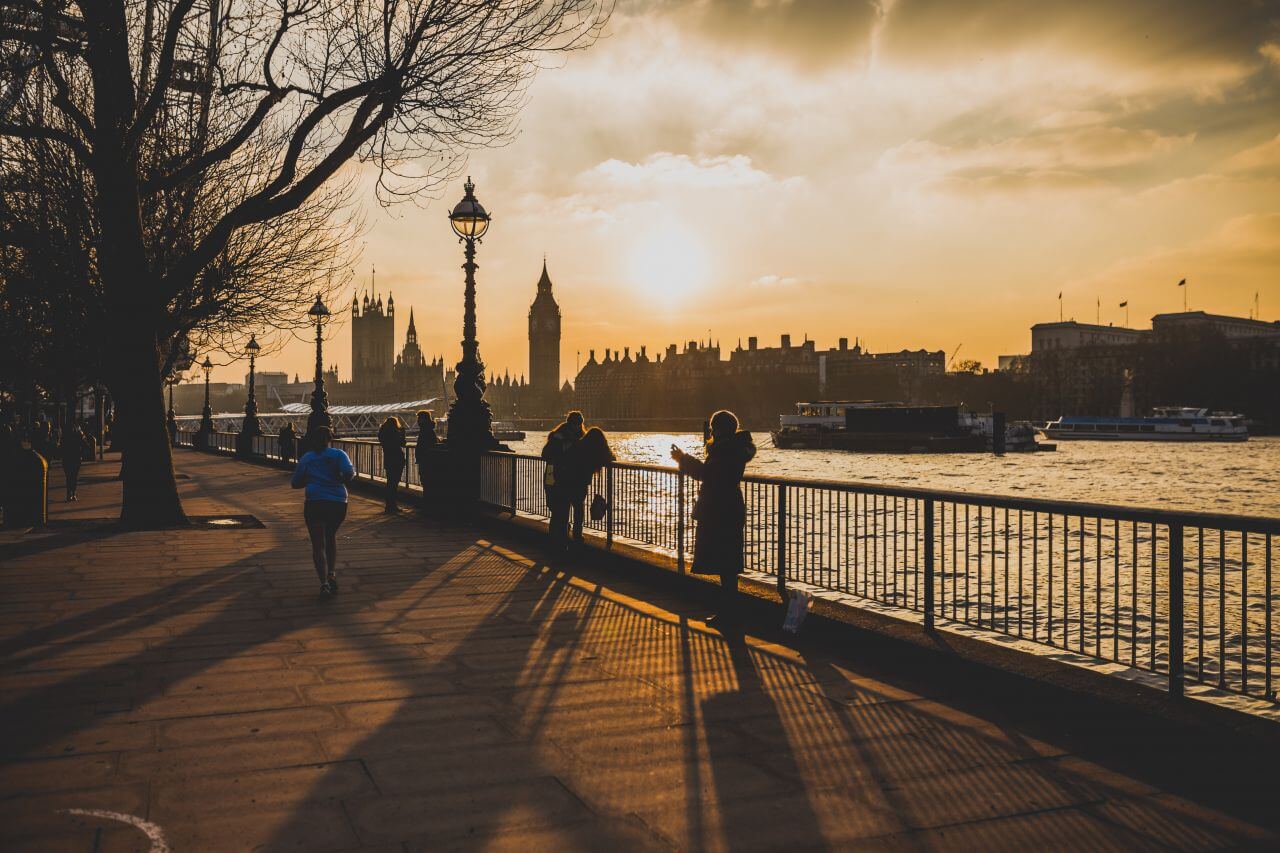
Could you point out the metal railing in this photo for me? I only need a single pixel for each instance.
(1188, 596)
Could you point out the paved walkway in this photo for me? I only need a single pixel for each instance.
(460, 695)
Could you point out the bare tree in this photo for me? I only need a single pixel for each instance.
(275, 99)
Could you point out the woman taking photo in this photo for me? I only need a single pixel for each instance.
(324, 471)
(720, 510)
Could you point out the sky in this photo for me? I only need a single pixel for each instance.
(918, 173)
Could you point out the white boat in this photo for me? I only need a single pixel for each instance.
(1166, 423)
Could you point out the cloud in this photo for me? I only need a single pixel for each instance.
(1191, 34)
(775, 281)
(1260, 161)
(664, 170)
(1073, 159)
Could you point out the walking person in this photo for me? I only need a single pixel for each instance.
(324, 471)
(72, 454)
(287, 439)
(428, 443)
(577, 467)
(391, 437)
(720, 511)
(559, 441)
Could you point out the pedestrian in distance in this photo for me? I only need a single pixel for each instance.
(72, 453)
(324, 472)
(171, 421)
(392, 438)
(287, 439)
(575, 470)
(559, 441)
(427, 445)
(719, 511)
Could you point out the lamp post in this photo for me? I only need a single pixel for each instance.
(319, 416)
(250, 427)
(470, 418)
(206, 414)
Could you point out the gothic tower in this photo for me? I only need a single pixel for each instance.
(372, 343)
(544, 346)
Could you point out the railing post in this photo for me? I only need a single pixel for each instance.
(782, 542)
(928, 564)
(1176, 626)
(680, 521)
(515, 496)
(608, 518)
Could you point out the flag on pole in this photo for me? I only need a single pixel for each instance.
(1124, 304)
(1182, 283)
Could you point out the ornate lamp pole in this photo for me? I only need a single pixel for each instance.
(319, 314)
(206, 414)
(250, 426)
(470, 419)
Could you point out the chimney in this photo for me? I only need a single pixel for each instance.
(844, 344)
(592, 356)
(786, 342)
(607, 354)
(751, 343)
(671, 350)
(642, 353)
(626, 353)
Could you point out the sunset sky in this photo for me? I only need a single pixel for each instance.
(918, 173)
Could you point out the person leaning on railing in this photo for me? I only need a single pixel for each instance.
(720, 511)
(428, 443)
(391, 437)
(559, 441)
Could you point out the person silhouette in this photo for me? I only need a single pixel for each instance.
(719, 511)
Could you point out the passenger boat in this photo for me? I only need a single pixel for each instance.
(1166, 423)
(876, 427)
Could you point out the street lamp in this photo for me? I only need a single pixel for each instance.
(319, 314)
(251, 426)
(470, 419)
(206, 414)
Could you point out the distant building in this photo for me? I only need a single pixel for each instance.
(372, 341)
(755, 382)
(544, 349)
(267, 378)
(1232, 328)
(1069, 335)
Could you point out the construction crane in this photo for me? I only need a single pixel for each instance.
(951, 362)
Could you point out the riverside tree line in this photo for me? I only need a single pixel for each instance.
(177, 175)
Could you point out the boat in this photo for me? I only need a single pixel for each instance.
(876, 427)
(1166, 423)
(1019, 436)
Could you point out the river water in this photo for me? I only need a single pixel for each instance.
(1241, 478)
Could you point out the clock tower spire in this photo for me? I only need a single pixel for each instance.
(544, 347)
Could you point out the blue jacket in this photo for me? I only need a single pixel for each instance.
(325, 473)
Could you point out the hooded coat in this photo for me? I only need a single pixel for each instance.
(720, 511)
(579, 463)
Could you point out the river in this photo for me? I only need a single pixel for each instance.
(1241, 478)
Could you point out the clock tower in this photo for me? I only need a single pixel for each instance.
(544, 346)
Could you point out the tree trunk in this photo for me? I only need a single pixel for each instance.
(150, 488)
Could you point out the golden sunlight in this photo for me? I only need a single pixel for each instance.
(668, 261)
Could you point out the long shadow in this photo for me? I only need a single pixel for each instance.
(36, 719)
(724, 710)
(425, 808)
(58, 535)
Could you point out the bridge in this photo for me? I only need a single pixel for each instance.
(462, 691)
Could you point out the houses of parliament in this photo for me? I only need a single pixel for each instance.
(379, 375)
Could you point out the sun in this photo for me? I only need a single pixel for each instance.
(668, 262)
